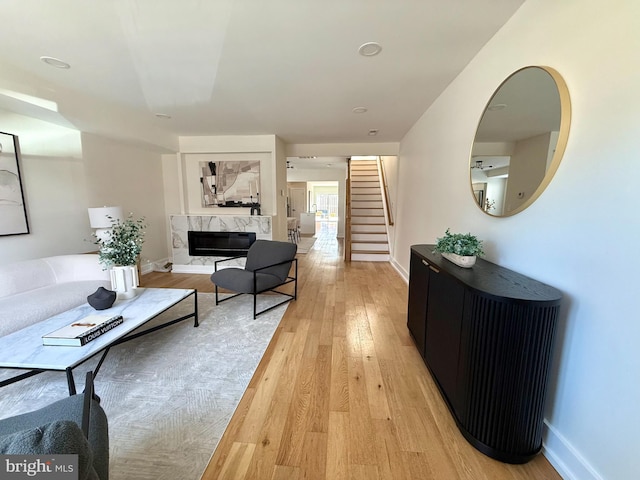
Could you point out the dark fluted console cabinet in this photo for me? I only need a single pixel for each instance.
(486, 335)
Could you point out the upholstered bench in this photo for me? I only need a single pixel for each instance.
(34, 290)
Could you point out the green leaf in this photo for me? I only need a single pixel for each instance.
(123, 242)
(460, 244)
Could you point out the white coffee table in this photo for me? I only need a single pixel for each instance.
(24, 350)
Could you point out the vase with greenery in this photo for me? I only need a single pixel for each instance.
(122, 243)
(119, 251)
(461, 249)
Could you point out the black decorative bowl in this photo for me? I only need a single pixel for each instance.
(102, 298)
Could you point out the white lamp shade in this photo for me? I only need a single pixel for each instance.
(101, 217)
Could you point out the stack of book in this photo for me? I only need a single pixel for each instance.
(82, 331)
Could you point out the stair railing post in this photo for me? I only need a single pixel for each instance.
(347, 226)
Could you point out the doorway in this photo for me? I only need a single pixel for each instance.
(324, 183)
(325, 203)
(297, 199)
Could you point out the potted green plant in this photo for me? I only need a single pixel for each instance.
(461, 249)
(119, 252)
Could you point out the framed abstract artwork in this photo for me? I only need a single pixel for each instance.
(229, 183)
(13, 211)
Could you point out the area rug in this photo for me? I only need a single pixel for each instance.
(168, 395)
(305, 244)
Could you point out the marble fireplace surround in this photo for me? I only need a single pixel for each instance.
(181, 224)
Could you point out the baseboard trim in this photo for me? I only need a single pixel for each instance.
(564, 457)
(146, 268)
(199, 269)
(404, 274)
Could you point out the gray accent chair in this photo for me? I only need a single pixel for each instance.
(74, 425)
(267, 267)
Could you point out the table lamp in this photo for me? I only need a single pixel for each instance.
(102, 218)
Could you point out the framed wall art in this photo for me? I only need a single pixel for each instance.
(229, 183)
(13, 211)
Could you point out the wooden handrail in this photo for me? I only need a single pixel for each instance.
(385, 188)
(347, 219)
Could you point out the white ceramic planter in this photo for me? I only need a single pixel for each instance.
(124, 280)
(461, 260)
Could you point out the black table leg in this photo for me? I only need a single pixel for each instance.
(195, 308)
(70, 382)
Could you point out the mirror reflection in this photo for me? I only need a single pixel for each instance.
(519, 141)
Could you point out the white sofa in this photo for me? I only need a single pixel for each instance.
(34, 290)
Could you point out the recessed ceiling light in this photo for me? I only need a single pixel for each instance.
(55, 62)
(359, 110)
(369, 49)
(163, 116)
(373, 132)
(497, 106)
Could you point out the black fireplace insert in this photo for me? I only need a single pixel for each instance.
(219, 244)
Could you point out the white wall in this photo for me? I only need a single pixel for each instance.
(340, 149)
(496, 188)
(52, 174)
(129, 176)
(527, 168)
(268, 149)
(580, 236)
(64, 172)
(279, 172)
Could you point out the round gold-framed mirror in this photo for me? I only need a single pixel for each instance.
(520, 140)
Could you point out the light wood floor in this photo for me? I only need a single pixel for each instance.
(341, 392)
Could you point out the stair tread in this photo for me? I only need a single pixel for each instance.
(365, 187)
(371, 252)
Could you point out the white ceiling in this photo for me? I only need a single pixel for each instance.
(220, 67)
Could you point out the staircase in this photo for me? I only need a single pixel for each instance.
(368, 229)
